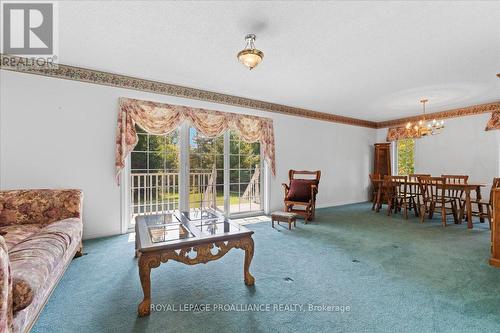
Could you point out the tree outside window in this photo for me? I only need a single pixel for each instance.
(406, 157)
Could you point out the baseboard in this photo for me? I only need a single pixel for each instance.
(100, 235)
(340, 203)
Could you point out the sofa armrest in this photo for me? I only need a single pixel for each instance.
(39, 206)
(5, 289)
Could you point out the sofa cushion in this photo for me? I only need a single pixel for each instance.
(35, 260)
(300, 189)
(14, 234)
(38, 206)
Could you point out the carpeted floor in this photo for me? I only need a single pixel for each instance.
(392, 275)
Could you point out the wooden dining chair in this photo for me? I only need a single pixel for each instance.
(455, 193)
(434, 199)
(396, 192)
(485, 206)
(414, 189)
(375, 187)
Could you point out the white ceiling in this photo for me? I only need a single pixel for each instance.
(370, 60)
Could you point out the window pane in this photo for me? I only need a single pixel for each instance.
(219, 161)
(234, 147)
(220, 177)
(234, 161)
(155, 161)
(245, 176)
(139, 160)
(249, 162)
(156, 142)
(234, 176)
(207, 161)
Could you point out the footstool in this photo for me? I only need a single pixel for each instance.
(284, 217)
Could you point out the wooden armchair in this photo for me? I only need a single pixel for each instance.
(302, 192)
(488, 204)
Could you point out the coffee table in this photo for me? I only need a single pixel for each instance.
(187, 237)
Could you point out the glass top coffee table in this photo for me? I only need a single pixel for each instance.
(189, 237)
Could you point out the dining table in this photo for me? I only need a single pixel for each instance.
(466, 188)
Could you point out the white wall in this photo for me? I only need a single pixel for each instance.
(60, 134)
(463, 147)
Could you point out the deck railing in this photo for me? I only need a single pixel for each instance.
(158, 192)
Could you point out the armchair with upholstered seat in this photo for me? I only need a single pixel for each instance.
(302, 192)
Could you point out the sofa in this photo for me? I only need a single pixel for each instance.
(40, 233)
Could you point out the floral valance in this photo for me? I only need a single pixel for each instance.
(494, 122)
(160, 118)
(398, 133)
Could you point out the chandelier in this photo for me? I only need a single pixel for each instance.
(250, 56)
(423, 127)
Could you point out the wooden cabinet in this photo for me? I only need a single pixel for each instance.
(495, 230)
(382, 159)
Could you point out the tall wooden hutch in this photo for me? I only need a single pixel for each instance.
(382, 159)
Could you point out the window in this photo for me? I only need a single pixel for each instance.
(406, 156)
(224, 173)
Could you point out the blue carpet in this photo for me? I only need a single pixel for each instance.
(393, 275)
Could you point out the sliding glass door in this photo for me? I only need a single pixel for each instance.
(154, 173)
(187, 170)
(244, 175)
(206, 171)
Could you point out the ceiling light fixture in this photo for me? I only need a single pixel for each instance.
(250, 56)
(424, 128)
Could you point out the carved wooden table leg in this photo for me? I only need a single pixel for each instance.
(247, 245)
(146, 262)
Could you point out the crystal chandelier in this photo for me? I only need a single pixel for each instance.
(423, 127)
(250, 56)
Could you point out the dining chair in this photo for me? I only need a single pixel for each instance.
(375, 187)
(455, 193)
(414, 189)
(481, 212)
(396, 190)
(434, 199)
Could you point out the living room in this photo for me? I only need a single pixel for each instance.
(155, 136)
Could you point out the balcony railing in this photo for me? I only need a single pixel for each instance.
(158, 192)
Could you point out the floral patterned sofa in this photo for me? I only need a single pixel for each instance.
(40, 233)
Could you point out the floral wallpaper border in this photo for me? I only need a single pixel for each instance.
(455, 113)
(128, 82)
(134, 83)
